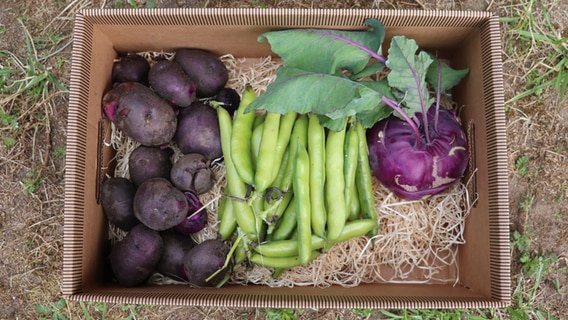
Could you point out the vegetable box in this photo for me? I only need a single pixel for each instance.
(464, 39)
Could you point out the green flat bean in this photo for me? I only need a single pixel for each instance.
(227, 219)
(335, 183)
(352, 230)
(236, 189)
(316, 151)
(301, 185)
(286, 224)
(363, 180)
(241, 137)
(350, 169)
(286, 248)
(284, 133)
(280, 263)
(267, 152)
(299, 135)
(256, 138)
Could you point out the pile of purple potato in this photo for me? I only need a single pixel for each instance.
(159, 104)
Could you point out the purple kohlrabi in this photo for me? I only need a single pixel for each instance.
(417, 168)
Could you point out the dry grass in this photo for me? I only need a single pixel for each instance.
(32, 147)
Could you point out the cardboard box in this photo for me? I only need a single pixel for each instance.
(467, 39)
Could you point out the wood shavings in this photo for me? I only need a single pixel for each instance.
(418, 241)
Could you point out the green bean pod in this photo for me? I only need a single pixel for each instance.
(363, 180)
(350, 169)
(256, 138)
(258, 120)
(240, 254)
(287, 223)
(352, 230)
(281, 262)
(301, 185)
(356, 228)
(267, 152)
(316, 151)
(335, 183)
(236, 189)
(227, 219)
(299, 135)
(241, 137)
(278, 210)
(284, 133)
(257, 205)
(286, 248)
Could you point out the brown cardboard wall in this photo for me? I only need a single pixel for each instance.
(468, 38)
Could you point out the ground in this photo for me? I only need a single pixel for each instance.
(35, 47)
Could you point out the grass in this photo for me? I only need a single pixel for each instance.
(521, 165)
(534, 42)
(532, 29)
(26, 88)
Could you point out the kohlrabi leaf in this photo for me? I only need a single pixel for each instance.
(408, 74)
(327, 51)
(369, 70)
(449, 77)
(323, 94)
(332, 124)
(381, 111)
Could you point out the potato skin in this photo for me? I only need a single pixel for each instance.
(198, 131)
(135, 257)
(170, 82)
(205, 259)
(149, 162)
(140, 113)
(191, 172)
(206, 70)
(159, 205)
(176, 247)
(117, 200)
(131, 68)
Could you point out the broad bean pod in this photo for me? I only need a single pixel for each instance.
(241, 137)
(255, 143)
(286, 248)
(267, 152)
(227, 219)
(350, 169)
(279, 262)
(335, 183)
(316, 151)
(286, 224)
(236, 189)
(284, 133)
(352, 230)
(299, 135)
(363, 180)
(301, 185)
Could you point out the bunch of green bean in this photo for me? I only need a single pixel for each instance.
(294, 188)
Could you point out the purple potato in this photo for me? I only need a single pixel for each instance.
(131, 68)
(205, 259)
(198, 131)
(140, 114)
(159, 205)
(192, 173)
(230, 99)
(206, 70)
(196, 218)
(149, 162)
(170, 82)
(117, 200)
(135, 257)
(176, 247)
